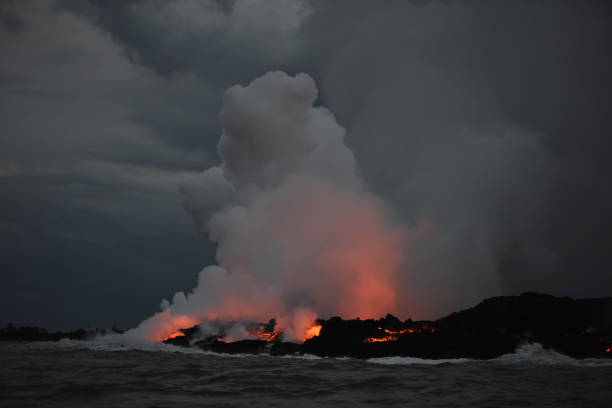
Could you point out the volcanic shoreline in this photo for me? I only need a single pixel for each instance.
(579, 328)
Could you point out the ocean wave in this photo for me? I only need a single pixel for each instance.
(306, 357)
(535, 353)
(415, 360)
(101, 345)
(119, 344)
(115, 344)
(529, 353)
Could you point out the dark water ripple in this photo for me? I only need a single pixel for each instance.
(78, 375)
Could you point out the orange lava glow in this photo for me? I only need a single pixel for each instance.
(313, 331)
(608, 349)
(400, 331)
(177, 333)
(337, 248)
(356, 274)
(393, 335)
(264, 335)
(165, 324)
(380, 339)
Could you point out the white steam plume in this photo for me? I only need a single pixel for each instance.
(297, 236)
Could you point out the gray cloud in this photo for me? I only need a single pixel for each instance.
(484, 124)
(85, 181)
(221, 40)
(486, 120)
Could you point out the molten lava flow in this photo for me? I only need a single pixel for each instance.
(165, 325)
(177, 333)
(400, 331)
(393, 335)
(262, 334)
(313, 331)
(380, 339)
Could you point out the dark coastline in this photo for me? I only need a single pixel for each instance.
(579, 328)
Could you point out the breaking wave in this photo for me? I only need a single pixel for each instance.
(529, 353)
(535, 353)
(101, 374)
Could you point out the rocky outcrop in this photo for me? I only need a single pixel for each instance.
(579, 328)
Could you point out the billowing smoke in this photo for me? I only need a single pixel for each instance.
(297, 234)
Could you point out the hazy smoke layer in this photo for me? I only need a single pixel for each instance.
(297, 235)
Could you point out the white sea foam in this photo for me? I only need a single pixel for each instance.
(303, 356)
(530, 353)
(535, 353)
(415, 360)
(113, 343)
(110, 343)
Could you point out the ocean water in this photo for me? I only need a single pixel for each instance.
(94, 374)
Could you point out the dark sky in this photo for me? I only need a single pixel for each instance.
(493, 119)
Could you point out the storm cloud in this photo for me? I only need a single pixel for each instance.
(484, 126)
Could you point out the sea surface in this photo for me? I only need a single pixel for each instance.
(98, 374)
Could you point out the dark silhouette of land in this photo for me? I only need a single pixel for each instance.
(579, 328)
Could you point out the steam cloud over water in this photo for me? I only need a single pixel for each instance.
(297, 234)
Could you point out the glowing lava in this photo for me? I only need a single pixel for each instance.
(178, 333)
(400, 331)
(393, 335)
(380, 339)
(266, 335)
(313, 331)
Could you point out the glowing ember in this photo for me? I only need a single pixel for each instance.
(166, 325)
(393, 335)
(400, 332)
(380, 339)
(266, 335)
(313, 331)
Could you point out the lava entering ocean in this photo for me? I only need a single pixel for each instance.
(254, 331)
(297, 235)
(175, 334)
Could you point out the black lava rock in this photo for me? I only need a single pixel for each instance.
(579, 328)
